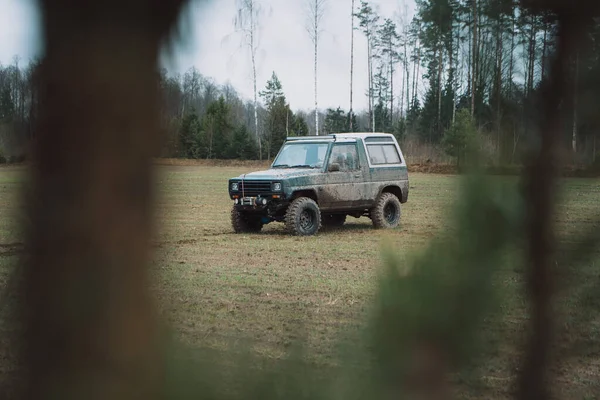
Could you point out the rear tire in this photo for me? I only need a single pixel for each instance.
(303, 217)
(244, 222)
(387, 212)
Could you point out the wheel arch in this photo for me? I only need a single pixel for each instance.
(393, 189)
(310, 193)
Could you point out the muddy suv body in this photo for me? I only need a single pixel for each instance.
(320, 180)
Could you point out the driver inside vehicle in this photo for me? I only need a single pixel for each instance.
(340, 159)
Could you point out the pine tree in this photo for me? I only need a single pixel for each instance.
(460, 136)
(243, 146)
(277, 117)
(188, 135)
(299, 126)
(335, 121)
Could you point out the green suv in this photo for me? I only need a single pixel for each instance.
(320, 180)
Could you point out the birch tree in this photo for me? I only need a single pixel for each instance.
(389, 43)
(474, 43)
(368, 22)
(315, 12)
(351, 68)
(246, 22)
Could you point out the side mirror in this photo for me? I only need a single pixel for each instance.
(333, 167)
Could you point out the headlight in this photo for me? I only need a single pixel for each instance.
(234, 186)
(277, 186)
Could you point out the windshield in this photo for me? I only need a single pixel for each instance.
(294, 155)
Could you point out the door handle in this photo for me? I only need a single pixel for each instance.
(357, 175)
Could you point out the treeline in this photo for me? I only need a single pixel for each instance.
(18, 108)
(205, 120)
(200, 119)
(485, 58)
(488, 57)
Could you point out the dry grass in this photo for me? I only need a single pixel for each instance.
(217, 289)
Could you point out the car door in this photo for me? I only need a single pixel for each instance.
(344, 175)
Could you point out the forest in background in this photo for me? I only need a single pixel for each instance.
(458, 69)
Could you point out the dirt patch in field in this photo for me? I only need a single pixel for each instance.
(431, 168)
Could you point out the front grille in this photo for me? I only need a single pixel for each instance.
(254, 188)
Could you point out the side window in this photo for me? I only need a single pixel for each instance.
(380, 154)
(391, 154)
(345, 155)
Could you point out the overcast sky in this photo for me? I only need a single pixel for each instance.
(214, 48)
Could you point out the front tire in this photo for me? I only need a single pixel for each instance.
(244, 222)
(303, 217)
(387, 212)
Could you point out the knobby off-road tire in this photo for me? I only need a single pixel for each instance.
(387, 212)
(244, 223)
(333, 220)
(303, 217)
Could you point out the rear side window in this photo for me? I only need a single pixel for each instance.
(381, 154)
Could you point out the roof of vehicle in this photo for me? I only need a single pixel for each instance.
(344, 136)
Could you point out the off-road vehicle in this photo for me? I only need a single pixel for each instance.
(318, 181)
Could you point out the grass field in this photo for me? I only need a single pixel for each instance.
(217, 289)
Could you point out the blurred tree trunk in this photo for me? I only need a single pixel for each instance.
(541, 180)
(90, 326)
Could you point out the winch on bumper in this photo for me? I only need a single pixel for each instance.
(259, 202)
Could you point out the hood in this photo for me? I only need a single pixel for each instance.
(281, 173)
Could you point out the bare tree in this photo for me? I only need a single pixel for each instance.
(315, 12)
(351, 66)
(368, 21)
(474, 57)
(246, 22)
(575, 83)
